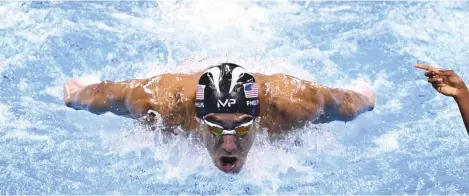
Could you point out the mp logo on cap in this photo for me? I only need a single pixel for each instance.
(227, 102)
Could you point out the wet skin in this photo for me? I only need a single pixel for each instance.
(229, 152)
(285, 102)
(448, 83)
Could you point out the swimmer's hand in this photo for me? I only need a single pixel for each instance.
(74, 85)
(367, 91)
(446, 82)
(71, 87)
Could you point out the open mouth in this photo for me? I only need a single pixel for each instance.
(228, 163)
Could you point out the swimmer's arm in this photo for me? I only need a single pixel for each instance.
(344, 105)
(106, 96)
(287, 102)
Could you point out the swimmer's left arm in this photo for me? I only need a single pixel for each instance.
(345, 105)
(287, 102)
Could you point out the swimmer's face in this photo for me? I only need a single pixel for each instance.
(229, 151)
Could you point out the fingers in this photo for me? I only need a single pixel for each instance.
(438, 85)
(446, 73)
(430, 74)
(440, 73)
(422, 66)
(427, 67)
(433, 77)
(435, 80)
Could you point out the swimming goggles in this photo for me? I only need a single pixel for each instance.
(219, 130)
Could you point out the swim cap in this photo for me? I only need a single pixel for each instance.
(227, 88)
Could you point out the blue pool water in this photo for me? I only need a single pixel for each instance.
(414, 142)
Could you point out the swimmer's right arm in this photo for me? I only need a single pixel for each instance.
(106, 96)
(448, 83)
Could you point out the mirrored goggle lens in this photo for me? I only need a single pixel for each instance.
(213, 128)
(243, 129)
(218, 130)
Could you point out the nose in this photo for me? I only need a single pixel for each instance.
(229, 143)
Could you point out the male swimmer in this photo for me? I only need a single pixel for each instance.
(448, 83)
(225, 102)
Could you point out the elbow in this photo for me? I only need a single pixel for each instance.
(96, 107)
(348, 106)
(347, 115)
(95, 111)
(69, 103)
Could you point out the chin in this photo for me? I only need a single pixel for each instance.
(230, 164)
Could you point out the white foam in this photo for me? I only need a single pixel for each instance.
(23, 85)
(4, 115)
(55, 91)
(90, 79)
(2, 66)
(236, 39)
(392, 105)
(387, 142)
(25, 136)
(106, 27)
(10, 16)
(336, 9)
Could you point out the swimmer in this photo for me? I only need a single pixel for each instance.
(225, 103)
(448, 83)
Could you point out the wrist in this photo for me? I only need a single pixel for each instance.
(462, 94)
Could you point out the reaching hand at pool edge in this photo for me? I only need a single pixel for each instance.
(448, 83)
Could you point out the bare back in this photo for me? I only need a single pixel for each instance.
(287, 102)
(171, 95)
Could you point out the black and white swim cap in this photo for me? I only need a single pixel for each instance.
(227, 88)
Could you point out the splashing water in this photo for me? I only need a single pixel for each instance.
(414, 141)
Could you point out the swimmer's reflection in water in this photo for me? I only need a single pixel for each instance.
(448, 83)
(225, 102)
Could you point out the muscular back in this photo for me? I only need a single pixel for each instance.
(171, 95)
(285, 102)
